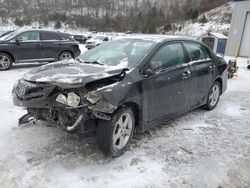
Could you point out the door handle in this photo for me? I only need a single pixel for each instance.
(211, 66)
(39, 45)
(186, 74)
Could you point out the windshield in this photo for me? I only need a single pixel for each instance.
(123, 52)
(8, 36)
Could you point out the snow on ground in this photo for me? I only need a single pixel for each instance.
(36, 155)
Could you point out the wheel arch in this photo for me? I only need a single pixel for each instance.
(220, 82)
(136, 110)
(6, 52)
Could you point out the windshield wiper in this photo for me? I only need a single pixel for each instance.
(93, 62)
(89, 62)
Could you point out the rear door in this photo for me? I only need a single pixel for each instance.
(166, 91)
(29, 46)
(202, 70)
(52, 45)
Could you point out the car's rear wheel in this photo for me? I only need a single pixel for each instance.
(65, 55)
(114, 136)
(213, 96)
(5, 61)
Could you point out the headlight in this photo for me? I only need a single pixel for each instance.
(62, 99)
(72, 99)
(92, 97)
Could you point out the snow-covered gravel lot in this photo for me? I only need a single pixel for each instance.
(35, 155)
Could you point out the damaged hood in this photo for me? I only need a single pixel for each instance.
(71, 72)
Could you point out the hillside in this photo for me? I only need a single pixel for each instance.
(215, 20)
(110, 15)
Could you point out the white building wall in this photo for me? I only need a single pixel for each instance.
(237, 27)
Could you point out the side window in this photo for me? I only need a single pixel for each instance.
(170, 55)
(207, 55)
(63, 36)
(29, 36)
(196, 52)
(50, 36)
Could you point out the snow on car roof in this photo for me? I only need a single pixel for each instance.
(157, 38)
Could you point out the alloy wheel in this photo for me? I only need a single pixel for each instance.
(214, 95)
(122, 131)
(5, 62)
(65, 55)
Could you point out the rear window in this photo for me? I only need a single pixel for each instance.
(79, 37)
(50, 36)
(196, 52)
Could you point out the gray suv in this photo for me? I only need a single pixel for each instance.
(36, 46)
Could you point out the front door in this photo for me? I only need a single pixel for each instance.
(28, 47)
(166, 91)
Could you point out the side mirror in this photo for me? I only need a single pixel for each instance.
(18, 41)
(154, 67)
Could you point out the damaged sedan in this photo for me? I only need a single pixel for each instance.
(124, 85)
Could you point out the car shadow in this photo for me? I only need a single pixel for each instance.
(81, 148)
(74, 147)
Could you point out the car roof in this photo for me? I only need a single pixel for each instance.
(158, 38)
(25, 30)
(19, 31)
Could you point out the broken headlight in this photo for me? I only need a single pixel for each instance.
(72, 99)
(98, 103)
(92, 97)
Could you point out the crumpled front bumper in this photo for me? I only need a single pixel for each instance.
(32, 95)
(32, 103)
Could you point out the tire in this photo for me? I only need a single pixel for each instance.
(6, 61)
(112, 139)
(248, 66)
(65, 55)
(213, 96)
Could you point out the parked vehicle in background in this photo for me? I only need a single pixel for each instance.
(36, 46)
(129, 32)
(96, 41)
(80, 38)
(122, 85)
(4, 33)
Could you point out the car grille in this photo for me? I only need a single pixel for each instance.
(89, 42)
(30, 90)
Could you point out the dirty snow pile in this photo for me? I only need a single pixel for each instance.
(218, 21)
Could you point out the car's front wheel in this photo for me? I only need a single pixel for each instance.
(114, 136)
(213, 96)
(5, 61)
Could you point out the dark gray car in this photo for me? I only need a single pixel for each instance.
(123, 85)
(36, 46)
